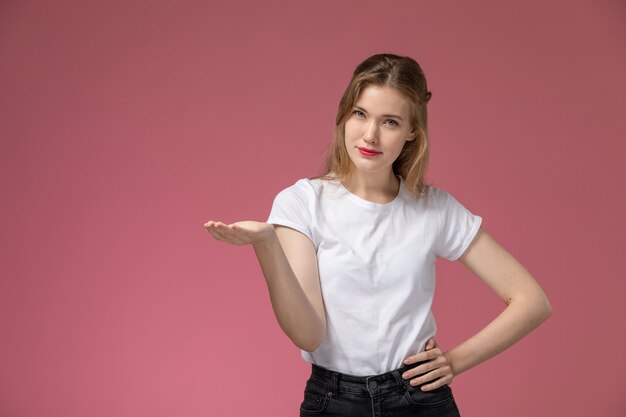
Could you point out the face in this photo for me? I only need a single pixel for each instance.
(378, 128)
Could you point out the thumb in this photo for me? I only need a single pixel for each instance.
(431, 344)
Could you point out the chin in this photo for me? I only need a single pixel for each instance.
(369, 168)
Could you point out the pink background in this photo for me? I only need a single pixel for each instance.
(126, 125)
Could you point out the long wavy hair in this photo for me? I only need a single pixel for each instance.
(405, 75)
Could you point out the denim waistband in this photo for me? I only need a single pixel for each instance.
(360, 385)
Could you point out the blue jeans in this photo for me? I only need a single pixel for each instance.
(331, 393)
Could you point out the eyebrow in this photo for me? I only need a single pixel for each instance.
(384, 115)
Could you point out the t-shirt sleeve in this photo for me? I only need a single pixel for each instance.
(458, 227)
(292, 208)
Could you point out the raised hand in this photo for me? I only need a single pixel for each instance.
(240, 233)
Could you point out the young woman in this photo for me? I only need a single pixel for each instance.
(349, 260)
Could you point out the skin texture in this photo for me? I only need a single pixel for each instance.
(526, 308)
(289, 264)
(288, 259)
(371, 126)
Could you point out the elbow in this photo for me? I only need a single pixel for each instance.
(547, 308)
(542, 307)
(537, 306)
(312, 342)
(309, 346)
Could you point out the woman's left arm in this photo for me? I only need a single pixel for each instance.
(527, 307)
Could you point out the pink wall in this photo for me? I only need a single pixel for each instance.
(126, 125)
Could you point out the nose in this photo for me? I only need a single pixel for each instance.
(370, 134)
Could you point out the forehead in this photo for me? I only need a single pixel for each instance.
(382, 99)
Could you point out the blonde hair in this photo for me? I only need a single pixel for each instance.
(406, 76)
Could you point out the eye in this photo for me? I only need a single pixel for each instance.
(359, 113)
(392, 122)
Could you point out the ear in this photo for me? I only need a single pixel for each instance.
(411, 136)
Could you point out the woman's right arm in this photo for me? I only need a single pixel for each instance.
(289, 264)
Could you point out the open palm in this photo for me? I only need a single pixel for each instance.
(239, 233)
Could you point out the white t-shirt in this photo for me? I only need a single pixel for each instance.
(376, 266)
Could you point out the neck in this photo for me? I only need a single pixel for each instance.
(374, 186)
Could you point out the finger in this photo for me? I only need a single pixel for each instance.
(419, 370)
(232, 234)
(430, 376)
(430, 344)
(224, 229)
(213, 231)
(220, 225)
(437, 363)
(225, 233)
(220, 235)
(436, 384)
(211, 225)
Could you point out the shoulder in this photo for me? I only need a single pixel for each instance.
(449, 207)
(432, 191)
(439, 200)
(432, 196)
(300, 195)
(439, 195)
(308, 188)
(302, 188)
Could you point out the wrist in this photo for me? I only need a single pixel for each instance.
(267, 239)
(451, 363)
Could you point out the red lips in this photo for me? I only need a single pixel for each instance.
(368, 152)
